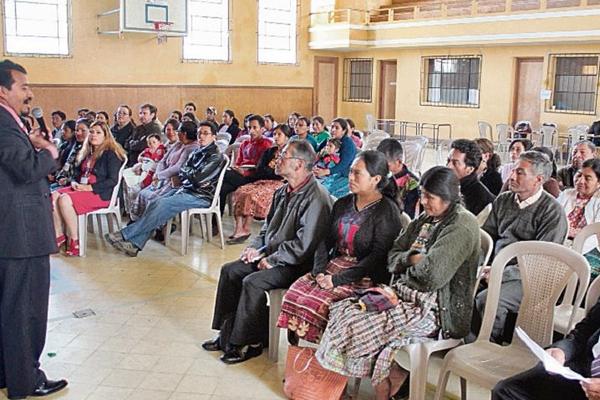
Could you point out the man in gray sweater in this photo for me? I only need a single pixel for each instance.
(280, 254)
(526, 212)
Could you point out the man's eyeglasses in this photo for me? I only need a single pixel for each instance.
(283, 155)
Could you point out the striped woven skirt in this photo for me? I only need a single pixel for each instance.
(362, 344)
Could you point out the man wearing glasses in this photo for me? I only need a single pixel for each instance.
(281, 253)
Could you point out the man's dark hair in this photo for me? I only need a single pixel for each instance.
(189, 128)
(391, 149)
(257, 118)
(210, 124)
(6, 68)
(471, 151)
(60, 114)
(192, 105)
(152, 108)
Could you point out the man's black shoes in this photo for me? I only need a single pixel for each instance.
(45, 389)
(212, 345)
(240, 354)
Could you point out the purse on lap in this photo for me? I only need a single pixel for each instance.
(306, 379)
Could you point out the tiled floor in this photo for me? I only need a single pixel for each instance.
(151, 314)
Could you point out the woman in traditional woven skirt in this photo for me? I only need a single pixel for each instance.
(435, 262)
(363, 227)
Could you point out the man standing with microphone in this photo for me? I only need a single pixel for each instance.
(26, 240)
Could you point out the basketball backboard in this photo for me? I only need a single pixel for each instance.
(144, 16)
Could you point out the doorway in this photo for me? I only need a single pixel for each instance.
(387, 95)
(528, 85)
(326, 84)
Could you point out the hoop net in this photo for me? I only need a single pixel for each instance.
(161, 30)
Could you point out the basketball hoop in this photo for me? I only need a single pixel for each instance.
(161, 28)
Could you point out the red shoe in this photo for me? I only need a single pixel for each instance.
(73, 248)
(60, 241)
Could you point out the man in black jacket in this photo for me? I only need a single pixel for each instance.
(580, 351)
(137, 142)
(464, 159)
(195, 189)
(26, 240)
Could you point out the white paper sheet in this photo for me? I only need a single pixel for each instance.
(551, 365)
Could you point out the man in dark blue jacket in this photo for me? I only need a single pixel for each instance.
(26, 240)
(195, 189)
(580, 351)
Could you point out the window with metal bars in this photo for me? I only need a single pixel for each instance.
(575, 83)
(36, 27)
(277, 31)
(358, 79)
(451, 81)
(208, 35)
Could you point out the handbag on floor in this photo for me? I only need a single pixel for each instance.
(306, 379)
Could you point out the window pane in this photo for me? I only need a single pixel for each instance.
(37, 27)
(208, 36)
(575, 83)
(277, 31)
(358, 79)
(452, 81)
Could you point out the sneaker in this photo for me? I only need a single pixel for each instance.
(113, 237)
(126, 247)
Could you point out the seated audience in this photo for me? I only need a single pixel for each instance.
(302, 132)
(551, 185)
(363, 227)
(195, 185)
(578, 351)
(527, 212)
(337, 182)
(582, 207)
(137, 142)
(98, 163)
(91, 116)
(102, 116)
(292, 119)
(81, 113)
(407, 195)
(582, 151)
(168, 168)
(488, 169)
(319, 130)
(190, 107)
(243, 169)
(464, 160)
(70, 168)
(270, 125)
(230, 125)
(515, 149)
(124, 125)
(595, 132)
(280, 254)
(176, 115)
(211, 114)
(253, 200)
(329, 156)
(67, 141)
(58, 118)
(170, 133)
(354, 133)
(435, 263)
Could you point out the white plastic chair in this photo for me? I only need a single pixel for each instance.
(113, 209)
(485, 130)
(567, 314)
(484, 214)
(372, 141)
(370, 122)
(545, 270)
(419, 353)
(224, 136)
(505, 134)
(186, 216)
(414, 152)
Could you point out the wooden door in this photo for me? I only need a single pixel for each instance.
(326, 84)
(528, 82)
(387, 90)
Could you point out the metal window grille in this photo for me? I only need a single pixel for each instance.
(450, 81)
(36, 27)
(208, 36)
(358, 79)
(574, 79)
(277, 31)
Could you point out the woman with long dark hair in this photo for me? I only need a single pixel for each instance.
(363, 227)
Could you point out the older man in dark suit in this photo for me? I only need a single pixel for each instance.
(26, 240)
(580, 351)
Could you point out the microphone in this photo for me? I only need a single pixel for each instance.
(38, 114)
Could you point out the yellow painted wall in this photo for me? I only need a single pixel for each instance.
(496, 95)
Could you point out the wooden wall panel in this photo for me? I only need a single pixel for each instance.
(279, 101)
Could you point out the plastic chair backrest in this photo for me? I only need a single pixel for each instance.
(578, 243)
(548, 136)
(370, 122)
(487, 246)
(483, 214)
(545, 269)
(404, 220)
(593, 294)
(485, 130)
(215, 200)
(224, 136)
(114, 198)
(505, 132)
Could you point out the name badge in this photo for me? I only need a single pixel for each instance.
(84, 180)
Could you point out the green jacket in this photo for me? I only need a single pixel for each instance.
(449, 266)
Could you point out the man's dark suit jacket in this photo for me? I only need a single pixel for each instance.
(26, 227)
(579, 342)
